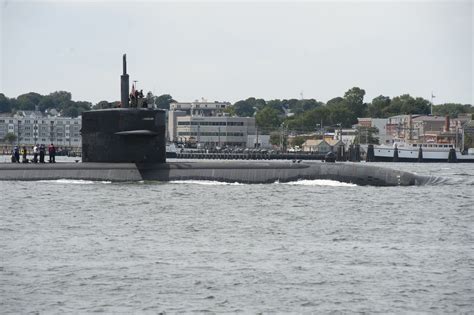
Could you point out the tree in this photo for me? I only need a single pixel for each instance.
(102, 105)
(5, 106)
(28, 101)
(366, 135)
(275, 138)
(10, 138)
(247, 108)
(334, 101)
(355, 102)
(244, 109)
(298, 141)
(377, 107)
(164, 101)
(230, 110)
(46, 102)
(406, 104)
(451, 109)
(267, 118)
(340, 114)
(301, 106)
(276, 105)
(309, 121)
(70, 111)
(74, 109)
(468, 140)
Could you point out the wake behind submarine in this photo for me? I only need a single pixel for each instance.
(128, 144)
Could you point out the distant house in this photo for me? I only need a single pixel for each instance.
(321, 146)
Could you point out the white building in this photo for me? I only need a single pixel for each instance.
(32, 127)
(200, 108)
(214, 131)
(197, 108)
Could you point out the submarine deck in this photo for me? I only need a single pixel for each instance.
(226, 171)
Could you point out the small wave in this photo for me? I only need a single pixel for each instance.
(74, 181)
(320, 182)
(203, 182)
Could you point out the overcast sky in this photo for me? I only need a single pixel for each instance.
(234, 50)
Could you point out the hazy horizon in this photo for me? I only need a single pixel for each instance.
(235, 50)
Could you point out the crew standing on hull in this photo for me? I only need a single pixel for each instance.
(16, 155)
(52, 153)
(42, 151)
(24, 153)
(35, 153)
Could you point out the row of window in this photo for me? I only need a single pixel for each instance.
(434, 145)
(210, 123)
(67, 122)
(43, 140)
(211, 134)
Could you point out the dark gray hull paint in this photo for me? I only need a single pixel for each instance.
(226, 171)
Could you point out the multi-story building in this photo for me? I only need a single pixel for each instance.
(215, 131)
(197, 108)
(32, 127)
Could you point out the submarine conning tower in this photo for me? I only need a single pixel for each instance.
(124, 135)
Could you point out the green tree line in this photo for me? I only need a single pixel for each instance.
(342, 111)
(62, 102)
(307, 114)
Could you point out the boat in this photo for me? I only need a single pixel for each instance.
(403, 151)
(419, 138)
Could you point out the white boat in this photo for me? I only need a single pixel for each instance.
(422, 152)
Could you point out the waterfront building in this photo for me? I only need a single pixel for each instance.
(196, 108)
(32, 127)
(215, 131)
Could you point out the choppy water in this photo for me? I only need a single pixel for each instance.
(320, 246)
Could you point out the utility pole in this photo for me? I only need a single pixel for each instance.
(257, 136)
(432, 97)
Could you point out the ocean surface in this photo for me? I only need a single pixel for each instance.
(195, 246)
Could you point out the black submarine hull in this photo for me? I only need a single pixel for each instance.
(225, 171)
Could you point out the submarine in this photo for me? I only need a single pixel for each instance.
(128, 144)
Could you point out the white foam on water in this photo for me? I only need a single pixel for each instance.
(203, 182)
(320, 182)
(74, 181)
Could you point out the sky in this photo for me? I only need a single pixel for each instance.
(227, 51)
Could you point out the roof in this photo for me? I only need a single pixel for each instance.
(429, 118)
(333, 142)
(313, 142)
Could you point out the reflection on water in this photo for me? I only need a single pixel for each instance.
(307, 246)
